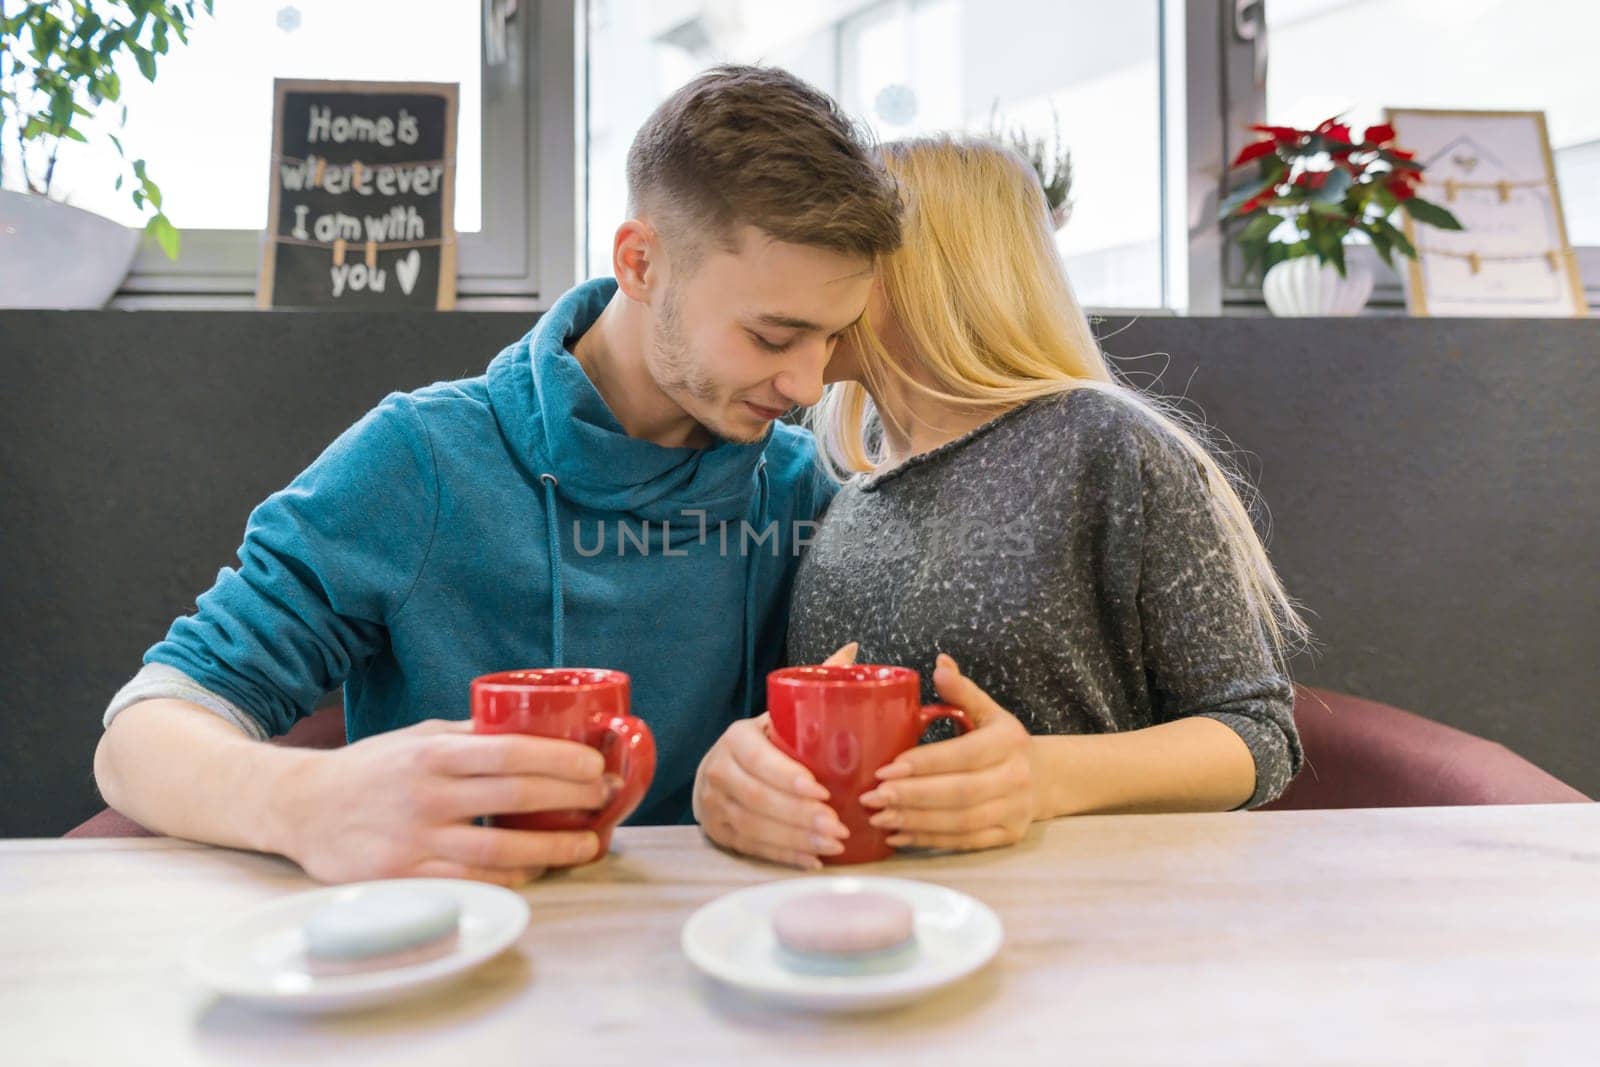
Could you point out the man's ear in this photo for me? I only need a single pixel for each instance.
(636, 260)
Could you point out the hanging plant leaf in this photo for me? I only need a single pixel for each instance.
(166, 234)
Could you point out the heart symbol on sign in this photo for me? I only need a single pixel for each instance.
(407, 269)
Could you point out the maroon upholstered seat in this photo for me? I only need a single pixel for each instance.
(1362, 754)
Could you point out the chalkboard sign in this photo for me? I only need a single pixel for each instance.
(362, 212)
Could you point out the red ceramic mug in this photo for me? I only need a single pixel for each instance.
(578, 704)
(844, 723)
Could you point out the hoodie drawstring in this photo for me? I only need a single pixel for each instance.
(553, 541)
(751, 567)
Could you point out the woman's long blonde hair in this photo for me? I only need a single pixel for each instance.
(981, 295)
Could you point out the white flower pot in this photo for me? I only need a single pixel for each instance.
(55, 256)
(1305, 286)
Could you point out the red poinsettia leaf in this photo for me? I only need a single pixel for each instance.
(1381, 134)
(1280, 133)
(1338, 132)
(1254, 151)
(1400, 188)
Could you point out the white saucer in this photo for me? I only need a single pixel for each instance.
(731, 940)
(259, 956)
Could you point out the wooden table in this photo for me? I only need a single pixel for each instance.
(1380, 937)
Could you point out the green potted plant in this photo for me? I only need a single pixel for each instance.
(1050, 159)
(1314, 191)
(60, 60)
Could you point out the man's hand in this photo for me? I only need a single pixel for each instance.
(402, 805)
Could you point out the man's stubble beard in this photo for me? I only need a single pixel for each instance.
(678, 377)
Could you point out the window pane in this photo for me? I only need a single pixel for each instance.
(1358, 56)
(205, 125)
(906, 67)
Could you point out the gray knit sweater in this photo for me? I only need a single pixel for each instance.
(1065, 554)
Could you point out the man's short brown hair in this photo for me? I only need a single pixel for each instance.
(757, 146)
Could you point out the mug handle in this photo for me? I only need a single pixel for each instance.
(932, 713)
(629, 749)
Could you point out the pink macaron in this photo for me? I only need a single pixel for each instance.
(843, 926)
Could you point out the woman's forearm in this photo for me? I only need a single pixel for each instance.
(1193, 764)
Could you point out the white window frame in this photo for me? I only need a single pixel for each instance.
(526, 253)
(531, 247)
(1171, 44)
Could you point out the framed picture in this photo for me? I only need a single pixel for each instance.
(362, 208)
(1493, 170)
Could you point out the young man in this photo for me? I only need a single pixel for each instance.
(614, 492)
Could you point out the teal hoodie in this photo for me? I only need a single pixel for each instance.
(508, 521)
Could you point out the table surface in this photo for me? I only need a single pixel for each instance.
(1419, 935)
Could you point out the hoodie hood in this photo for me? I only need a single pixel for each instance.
(560, 429)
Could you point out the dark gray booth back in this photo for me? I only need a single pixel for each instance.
(1434, 489)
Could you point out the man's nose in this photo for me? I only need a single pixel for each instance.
(801, 381)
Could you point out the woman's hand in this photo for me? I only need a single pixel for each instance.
(751, 798)
(971, 792)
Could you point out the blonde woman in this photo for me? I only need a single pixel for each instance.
(1060, 557)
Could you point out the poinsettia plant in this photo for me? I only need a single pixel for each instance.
(1315, 188)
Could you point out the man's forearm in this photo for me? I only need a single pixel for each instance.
(178, 769)
(1194, 764)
